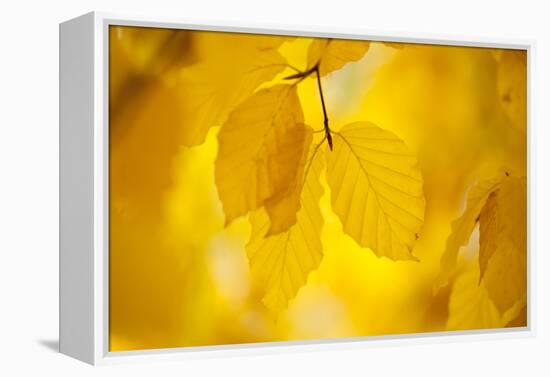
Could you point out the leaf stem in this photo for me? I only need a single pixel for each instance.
(300, 75)
(293, 68)
(325, 116)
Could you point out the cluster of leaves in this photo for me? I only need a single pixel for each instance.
(498, 206)
(270, 162)
(274, 163)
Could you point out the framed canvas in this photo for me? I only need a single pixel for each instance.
(253, 188)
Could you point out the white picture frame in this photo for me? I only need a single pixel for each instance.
(84, 322)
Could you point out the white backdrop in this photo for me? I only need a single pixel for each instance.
(29, 184)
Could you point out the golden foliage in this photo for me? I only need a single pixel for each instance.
(333, 54)
(490, 229)
(499, 206)
(376, 189)
(262, 163)
(463, 227)
(469, 304)
(212, 87)
(261, 146)
(280, 264)
(503, 243)
(282, 207)
(229, 206)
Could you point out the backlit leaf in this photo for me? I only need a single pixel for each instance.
(260, 150)
(463, 227)
(469, 303)
(283, 207)
(376, 189)
(499, 205)
(513, 203)
(489, 228)
(333, 54)
(503, 243)
(280, 264)
(211, 88)
(472, 307)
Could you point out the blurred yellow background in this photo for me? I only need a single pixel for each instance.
(178, 277)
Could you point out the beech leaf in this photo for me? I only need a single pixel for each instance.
(280, 264)
(376, 189)
(212, 87)
(260, 150)
(333, 54)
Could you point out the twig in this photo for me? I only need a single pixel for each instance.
(325, 122)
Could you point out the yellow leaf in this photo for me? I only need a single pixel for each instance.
(463, 227)
(472, 307)
(283, 207)
(376, 189)
(506, 277)
(499, 205)
(503, 243)
(231, 66)
(280, 264)
(469, 304)
(489, 226)
(260, 149)
(333, 54)
(513, 202)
